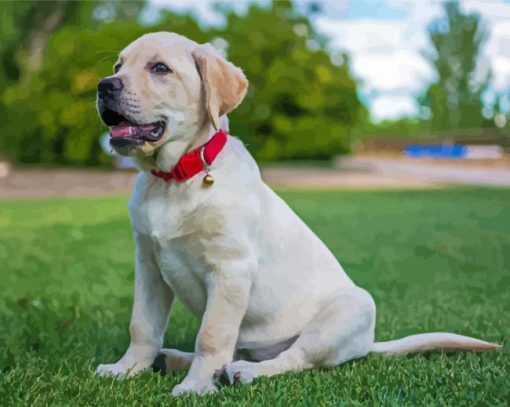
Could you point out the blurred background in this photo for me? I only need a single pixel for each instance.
(407, 100)
(343, 93)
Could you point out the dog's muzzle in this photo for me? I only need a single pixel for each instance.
(125, 134)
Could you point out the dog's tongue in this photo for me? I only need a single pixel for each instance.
(126, 129)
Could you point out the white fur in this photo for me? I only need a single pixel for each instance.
(262, 283)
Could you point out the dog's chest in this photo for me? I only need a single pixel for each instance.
(183, 269)
(172, 228)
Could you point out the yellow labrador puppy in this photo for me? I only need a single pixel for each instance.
(270, 296)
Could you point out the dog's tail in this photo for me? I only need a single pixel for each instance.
(432, 341)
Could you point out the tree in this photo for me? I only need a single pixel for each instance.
(302, 103)
(26, 28)
(455, 99)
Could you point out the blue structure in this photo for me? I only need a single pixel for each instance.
(448, 151)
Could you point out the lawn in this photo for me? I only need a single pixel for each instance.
(433, 260)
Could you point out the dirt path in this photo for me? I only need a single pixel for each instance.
(496, 173)
(343, 179)
(64, 183)
(352, 173)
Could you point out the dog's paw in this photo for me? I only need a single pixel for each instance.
(117, 370)
(240, 372)
(194, 386)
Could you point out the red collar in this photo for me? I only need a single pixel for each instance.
(195, 161)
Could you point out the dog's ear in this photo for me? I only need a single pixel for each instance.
(224, 84)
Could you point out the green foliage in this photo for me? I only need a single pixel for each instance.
(300, 104)
(433, 260)
(455, 99)
(407, 127)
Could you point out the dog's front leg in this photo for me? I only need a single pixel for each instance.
(215, 344)
(152, 303)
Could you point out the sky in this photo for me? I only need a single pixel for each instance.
(386, 40)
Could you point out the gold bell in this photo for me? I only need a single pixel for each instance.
(208, 179)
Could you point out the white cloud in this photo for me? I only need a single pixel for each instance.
(384, 56)
(490, 9)
(393, 107)
(202, 9)
(501, 73)
(387, 55)
(497, 50)
(361, 36)
(398, 70)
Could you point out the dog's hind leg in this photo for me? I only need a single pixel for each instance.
(342, 330)
(169, 360)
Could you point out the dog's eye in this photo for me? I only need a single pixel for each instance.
(117, 67)
(160, 68)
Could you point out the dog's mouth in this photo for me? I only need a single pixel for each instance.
(125, 133)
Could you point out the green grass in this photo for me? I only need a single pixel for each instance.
(433, 260)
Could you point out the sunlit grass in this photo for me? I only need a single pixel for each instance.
(434, 260)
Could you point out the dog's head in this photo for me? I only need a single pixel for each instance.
(166, 87)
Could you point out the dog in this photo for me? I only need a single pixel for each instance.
(270, 295)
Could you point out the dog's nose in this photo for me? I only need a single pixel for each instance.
(109, 88)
